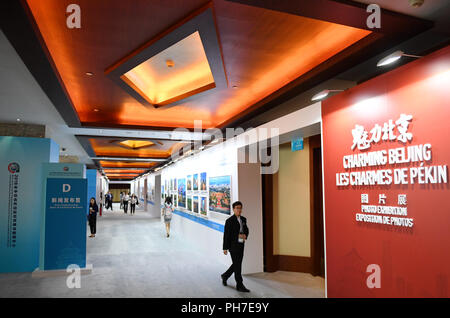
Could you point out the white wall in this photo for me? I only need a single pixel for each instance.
(214, 163)
(250, 194)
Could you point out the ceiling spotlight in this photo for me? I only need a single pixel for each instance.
(324, 93)
(96, 110)
(18, 119)
(170, 63)
(89, 73)
(391, 58)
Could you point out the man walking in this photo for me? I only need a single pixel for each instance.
(125, 199)
(234, 237)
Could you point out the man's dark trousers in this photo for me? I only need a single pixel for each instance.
(237, 254)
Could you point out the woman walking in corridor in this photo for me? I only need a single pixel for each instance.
(93, 209)
(133, 201)
(167, 212)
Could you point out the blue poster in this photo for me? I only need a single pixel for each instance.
(297, 144)
(21, 200)
(65, 223)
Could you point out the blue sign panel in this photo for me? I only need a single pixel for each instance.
(21, 200)
(297, 144)
(65, 223)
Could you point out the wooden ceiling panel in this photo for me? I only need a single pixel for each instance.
(263, 50)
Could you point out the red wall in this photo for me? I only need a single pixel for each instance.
(414, 261)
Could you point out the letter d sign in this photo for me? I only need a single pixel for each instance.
(66, 187)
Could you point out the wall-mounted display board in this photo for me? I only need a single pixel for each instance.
(182, 193)
(203, 207)
(203, 187)
(22, 200)
(195, 182)
(195, 204)
(385, 156)
(220, 194)
(189, 203)
(189, 182)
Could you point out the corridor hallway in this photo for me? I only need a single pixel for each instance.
(132, 257)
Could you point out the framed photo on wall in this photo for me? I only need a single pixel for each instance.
(203, 182)
(189, 183)
(189, 204)
(203, 210)
(220, 194)
(182, 193)
(195, 185)
(196, 205)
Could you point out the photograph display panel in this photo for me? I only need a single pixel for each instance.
(189, 203)
(220, 194)
(196, 205)
(203, 182)
(182, 193)
(203, 206)
(195, 185)
(189, 183)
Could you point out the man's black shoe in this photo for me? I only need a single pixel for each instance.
(224, 280)
(242, 289)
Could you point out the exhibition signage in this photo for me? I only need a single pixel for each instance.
(297, 144)
(21, 200)
(386, 183)
(63, 232)
(386, 167)
(65, 223)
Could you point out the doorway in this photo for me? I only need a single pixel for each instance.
(293, 211)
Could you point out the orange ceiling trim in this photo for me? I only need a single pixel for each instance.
(122, 164)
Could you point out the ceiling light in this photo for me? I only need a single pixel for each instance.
(96, 110)
(170, 63)
(324, 93)
(18, 119)
(89, 73)
(391, 58)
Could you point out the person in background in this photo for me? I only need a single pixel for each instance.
(126, 198)
(121, 200)
(110, 200)
(107, 198)
(234, 236)
(133, 201)
(167, 212)
(102, 201)
(93, 209)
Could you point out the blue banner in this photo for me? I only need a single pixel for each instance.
(297, 144)
(21, 200)
(65, 223)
